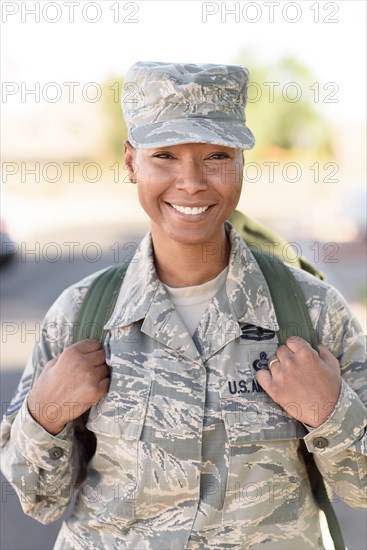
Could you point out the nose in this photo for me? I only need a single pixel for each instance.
(192, 177)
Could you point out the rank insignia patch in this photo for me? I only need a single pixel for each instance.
(261, 363)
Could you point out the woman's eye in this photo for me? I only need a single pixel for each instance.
(162, 156)
(219, 156)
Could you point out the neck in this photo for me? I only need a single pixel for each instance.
(181, 265)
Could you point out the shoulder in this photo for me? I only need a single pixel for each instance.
(74, 294)
(318, 293)
(330, 314)
(310, 284)
(59, 320)
(313, 289)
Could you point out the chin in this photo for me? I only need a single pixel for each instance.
(193, 238)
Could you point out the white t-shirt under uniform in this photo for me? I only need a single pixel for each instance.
(191, 301)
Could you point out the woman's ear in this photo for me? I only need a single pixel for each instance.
(130, 164)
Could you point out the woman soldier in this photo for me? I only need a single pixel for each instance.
(190, 390)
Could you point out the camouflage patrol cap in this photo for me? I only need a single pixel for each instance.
(173, 103)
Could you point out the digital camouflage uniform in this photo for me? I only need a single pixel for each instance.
(191, 452)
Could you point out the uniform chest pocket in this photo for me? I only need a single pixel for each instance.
(248, 412)
(122, 411)
(263, 442)
(250, 418)
(117, 421)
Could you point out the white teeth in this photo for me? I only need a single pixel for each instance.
(190, 211)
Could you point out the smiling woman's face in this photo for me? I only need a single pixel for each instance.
(188, 191)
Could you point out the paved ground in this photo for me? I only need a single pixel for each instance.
(27, 290)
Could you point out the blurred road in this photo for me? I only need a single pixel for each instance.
(28, 288)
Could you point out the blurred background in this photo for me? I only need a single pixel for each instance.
(67, 208)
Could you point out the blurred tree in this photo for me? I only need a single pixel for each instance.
(281, 109)
(111, 97)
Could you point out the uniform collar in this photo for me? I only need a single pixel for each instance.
(139, 287)
(247, 290)
(142, 295)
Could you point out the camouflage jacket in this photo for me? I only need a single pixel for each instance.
(191, 452)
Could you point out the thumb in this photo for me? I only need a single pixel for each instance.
(50, 363)
(328, 357)
(264, 378)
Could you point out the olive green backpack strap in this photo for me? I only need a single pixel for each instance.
(95, 311)
(293, 319)
(98, 304)
(260, 237)
(289, 304)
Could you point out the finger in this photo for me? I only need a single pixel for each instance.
(103, 371)
(87, 346)
(296, 343)
(273, 361)
(96, 358)
(51, 363)
(284, 353)
(328, 357)
(264, 378)
(104, 385)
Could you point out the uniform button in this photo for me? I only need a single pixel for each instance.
(55, 453)
(320, 442)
